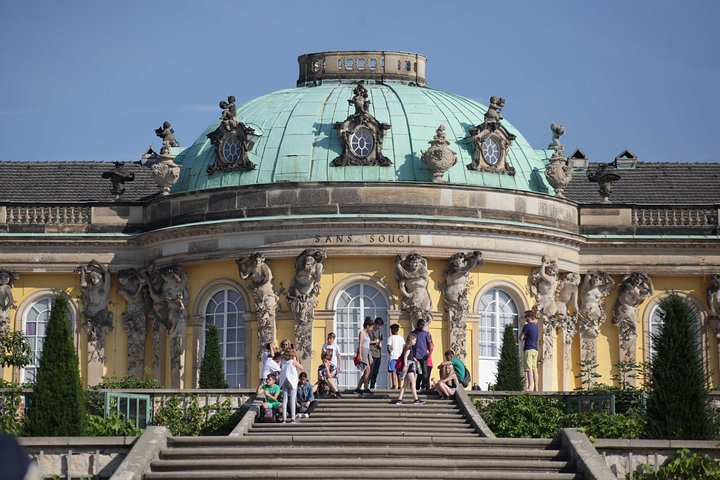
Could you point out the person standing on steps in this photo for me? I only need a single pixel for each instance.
(529, 335)
(410, 368)
(394, 348)
(363, 355)
(421, 353)
(376, 339)
(331, 347)
(288, 383)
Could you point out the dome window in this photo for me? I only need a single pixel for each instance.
(492, 142)
(361, 142)
(361, 64)
(373, 64)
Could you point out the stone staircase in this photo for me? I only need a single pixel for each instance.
(368, 438)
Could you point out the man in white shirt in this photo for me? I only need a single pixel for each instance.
(394, 347)
(332, 347)
(272, 366)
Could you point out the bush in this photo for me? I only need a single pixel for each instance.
(677, 405)
(509, 376)
(10, 420)
(628, 401)
(211, 367)
(605, 425)
(683, 465)
(112, 426)
(524, 416)
(58, 407)
(184, 417)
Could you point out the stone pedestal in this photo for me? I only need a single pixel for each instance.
(549, 336)
(95, 364)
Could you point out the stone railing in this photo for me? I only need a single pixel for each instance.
(625, 456)
(674, 216)
(48, 214)
(77, 457)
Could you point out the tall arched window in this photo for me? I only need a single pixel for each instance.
(35, 320)
(353, 304)
(657, 318)
(496, 309)
(226, 310)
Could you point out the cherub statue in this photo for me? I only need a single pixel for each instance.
(254, 268)
(228, 120)
(557, 131)
(359, 99)
(455, 296)
(413, 279)
(7, 301)
(302, 296)
(133, 283)
(713, 302)
(633, 290)
(168, 137)
(595, 287)
(118, 176)
(493, 115)
(95, 282)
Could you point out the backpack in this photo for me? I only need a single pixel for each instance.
(466, 379)
(267, 415)
(400, 364)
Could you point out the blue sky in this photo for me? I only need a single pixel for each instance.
(90, 80)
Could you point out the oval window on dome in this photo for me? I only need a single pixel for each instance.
(491, 151)
(231, 150)
(361, 142)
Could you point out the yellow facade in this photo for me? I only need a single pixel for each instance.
(340, 271)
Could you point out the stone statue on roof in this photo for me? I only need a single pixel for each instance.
(360, 100)
(168, 137)
(493, 115)
(228, 119)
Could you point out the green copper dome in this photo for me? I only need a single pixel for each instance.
(297, 141)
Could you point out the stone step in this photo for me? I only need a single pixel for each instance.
(392, 422)
(377, 433)
(365, 463)
(331, 451)
(352, 441)
(360, 473)
(387, 410)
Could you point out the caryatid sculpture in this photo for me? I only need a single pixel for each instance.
(7, 301)
(302, 296)
(158, 314)
(176, 295)
(567, 296)
(713, 303)
(133, 288)
(455, 297)
(633, 290)
(95, 282)
(413, 279)
(542, 285)
(255, 269)
(595, 287)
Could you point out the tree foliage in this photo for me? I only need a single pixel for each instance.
(211, 368)
(509, 373)
(57, 407)
(15, 350)
(677, 404)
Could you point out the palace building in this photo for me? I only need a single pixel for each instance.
(362, 191)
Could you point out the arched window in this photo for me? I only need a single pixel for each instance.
(226, 309)
(497, 309)
(353, 304)
(657, 318)
(35, 319)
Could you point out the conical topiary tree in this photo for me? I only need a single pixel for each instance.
(677, 404)
(509, 374)
(58, 405)
(211, 368)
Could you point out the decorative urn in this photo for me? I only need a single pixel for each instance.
(439, 158)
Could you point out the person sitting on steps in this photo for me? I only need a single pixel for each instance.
(305, 400)
(269, 392)
(448, 375)
(327, 377)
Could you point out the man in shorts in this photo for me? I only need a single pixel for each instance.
(529, 335)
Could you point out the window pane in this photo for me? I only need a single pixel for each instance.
(225, 310)
(497, 309)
